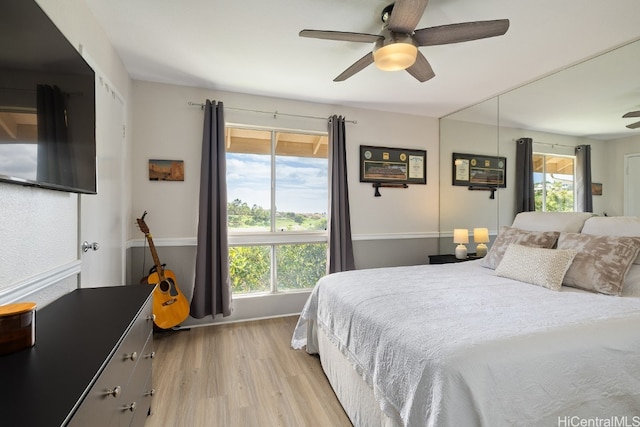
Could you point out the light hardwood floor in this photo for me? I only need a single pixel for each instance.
(240, 374)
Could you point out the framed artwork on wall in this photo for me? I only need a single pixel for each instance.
(166, 170)
(474, 170)
(392, 165)
(596, 189)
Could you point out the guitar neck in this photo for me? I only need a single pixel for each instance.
(154, 255)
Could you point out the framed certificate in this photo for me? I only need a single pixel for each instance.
(392, 165)
(479, 170)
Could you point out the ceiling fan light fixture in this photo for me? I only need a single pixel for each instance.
(395, 56)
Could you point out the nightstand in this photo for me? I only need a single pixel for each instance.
(450, 258)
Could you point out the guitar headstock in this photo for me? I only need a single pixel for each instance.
(143, 226)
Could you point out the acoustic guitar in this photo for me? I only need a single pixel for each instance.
(170, 307)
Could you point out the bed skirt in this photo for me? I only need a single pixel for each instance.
(352, 391)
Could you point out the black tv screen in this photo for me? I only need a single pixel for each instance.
(47, 104)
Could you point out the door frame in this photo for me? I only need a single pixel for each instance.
(627, 185)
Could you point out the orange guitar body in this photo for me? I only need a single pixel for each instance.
(170, 307)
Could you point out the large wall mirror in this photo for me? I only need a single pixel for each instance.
(470, 131)
(582, 104)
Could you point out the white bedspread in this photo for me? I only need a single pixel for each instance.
(455, 345)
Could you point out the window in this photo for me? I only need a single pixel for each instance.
(277, 191)
(553, 178)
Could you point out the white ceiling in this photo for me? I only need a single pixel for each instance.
(252, 46)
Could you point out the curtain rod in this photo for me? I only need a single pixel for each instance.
(547, 143)
(275, 113)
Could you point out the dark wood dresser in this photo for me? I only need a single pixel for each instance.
(90, 366)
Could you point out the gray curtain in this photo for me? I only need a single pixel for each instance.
(340, 244)
(54, 154)
(212, 289)
(525, 201)
(584, 202)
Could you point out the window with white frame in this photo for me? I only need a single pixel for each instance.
(277, 191)
(554, 182)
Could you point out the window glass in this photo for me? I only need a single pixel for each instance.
(300, 266)
(250, 269)
(553, 178)
(248, 180)
(277, 190)
(301, 193)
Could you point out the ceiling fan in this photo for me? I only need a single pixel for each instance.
(396, 47)
(632, 114)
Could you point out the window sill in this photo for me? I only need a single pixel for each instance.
(279, 237)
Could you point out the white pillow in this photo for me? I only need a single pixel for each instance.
(538, 266)
(571, 222)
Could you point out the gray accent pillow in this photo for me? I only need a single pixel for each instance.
(509, 235)
(538, 266)
(602, 262)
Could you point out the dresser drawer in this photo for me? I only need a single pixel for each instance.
(117, 394)
(102, 404)
(140, 388)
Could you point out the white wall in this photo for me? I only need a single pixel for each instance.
(39, 258)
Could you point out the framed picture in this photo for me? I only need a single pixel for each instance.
(166, 170)
(393, 165)
(473, 170)
(596, 189)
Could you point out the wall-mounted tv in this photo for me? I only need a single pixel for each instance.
(47, 104)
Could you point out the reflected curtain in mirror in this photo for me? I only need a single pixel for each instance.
(340, 243)
(584, 199)
(54, 156)
(525, 200)
(212, 289)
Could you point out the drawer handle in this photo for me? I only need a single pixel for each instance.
(152, 317)
(132, 356)
(130, 407)
(115, 392)
(150, 392)
(151, 355)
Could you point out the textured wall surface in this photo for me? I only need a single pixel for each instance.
(38, 231)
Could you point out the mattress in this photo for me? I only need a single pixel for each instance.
(451, 345)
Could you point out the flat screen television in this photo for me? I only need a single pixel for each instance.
(47, 104)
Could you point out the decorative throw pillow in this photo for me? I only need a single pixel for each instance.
(628, 226)
(538, 266)
(602, 262)
(509, 235)
(631, 287)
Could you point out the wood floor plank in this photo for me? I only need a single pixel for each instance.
(240, 374)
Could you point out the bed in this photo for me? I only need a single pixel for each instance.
(543, 331)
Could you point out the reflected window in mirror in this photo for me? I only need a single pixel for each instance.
(554, 179)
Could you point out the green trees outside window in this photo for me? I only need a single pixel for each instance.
(553, 177)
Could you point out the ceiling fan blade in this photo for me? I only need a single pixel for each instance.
(406, 14)
(632, 114)
(341, 35)
(634, 125)
(357, 66)
(462, 32)
(421, 69)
